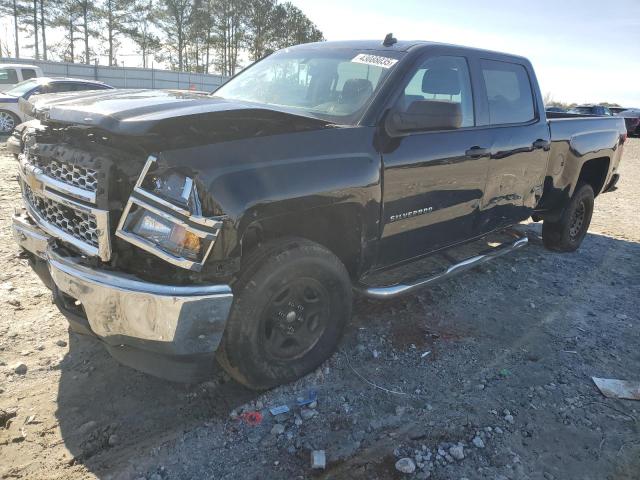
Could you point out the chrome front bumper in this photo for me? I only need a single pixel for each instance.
(123, 310)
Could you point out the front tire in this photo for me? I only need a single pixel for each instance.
(292, 302)
(567, 234)
(8, 121)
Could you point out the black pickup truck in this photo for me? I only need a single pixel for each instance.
(178, 229)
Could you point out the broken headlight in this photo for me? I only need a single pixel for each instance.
(167, 235)
(163, 216)
(175, 188)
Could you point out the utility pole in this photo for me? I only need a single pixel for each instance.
(15, 26)
(44, 35)
(35, 28)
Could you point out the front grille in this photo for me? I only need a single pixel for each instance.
(80, 225)
(84, 178)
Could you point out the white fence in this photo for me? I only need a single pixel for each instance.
(126, 77)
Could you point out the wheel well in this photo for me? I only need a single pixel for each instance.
(594, 173)
(337, 229)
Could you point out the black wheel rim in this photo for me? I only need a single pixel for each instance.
(577, 220)
(295, 319)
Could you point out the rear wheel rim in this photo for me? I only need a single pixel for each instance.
(577, 220)
(7, 122)
(295, 319)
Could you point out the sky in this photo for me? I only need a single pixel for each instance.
(583, 51)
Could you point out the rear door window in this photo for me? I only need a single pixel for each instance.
(28, 73)
(509, 92)
(8, 76)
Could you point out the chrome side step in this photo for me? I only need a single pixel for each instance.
(403, 288)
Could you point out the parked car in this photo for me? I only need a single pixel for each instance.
(13, 73)
(616, 110)
(10, 114)
(595, 110)
(177, 228)
(632, 120)
(555, 109)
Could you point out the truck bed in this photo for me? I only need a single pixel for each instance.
(578, 141)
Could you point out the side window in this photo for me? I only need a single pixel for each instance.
(28, 73)
(87, 86)
(440, 84)
(509, 92)
(8, 76)
(58, 87)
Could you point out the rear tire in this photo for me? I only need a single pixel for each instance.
(292, 302)
(566, 234)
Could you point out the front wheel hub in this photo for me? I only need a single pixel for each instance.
(295, 319)
(577, 220)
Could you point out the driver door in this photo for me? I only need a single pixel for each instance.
(434, 180)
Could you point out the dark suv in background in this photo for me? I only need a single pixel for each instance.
(595, 110)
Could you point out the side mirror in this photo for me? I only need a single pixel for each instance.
(423, 116)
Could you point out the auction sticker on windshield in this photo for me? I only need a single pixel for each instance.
(376, 60)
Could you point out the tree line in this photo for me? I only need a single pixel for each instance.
(189, 35)
(549, 101)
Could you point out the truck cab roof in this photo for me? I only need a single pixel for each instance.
(399, 46)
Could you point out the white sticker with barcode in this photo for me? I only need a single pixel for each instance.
(376, 60)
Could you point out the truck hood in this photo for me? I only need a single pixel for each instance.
(136, 112)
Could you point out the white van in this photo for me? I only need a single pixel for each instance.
(13, 73)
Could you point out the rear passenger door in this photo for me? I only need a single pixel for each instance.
(519, 143)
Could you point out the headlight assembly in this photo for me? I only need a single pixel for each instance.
(167, 235)
(175, 188)
(163, 216)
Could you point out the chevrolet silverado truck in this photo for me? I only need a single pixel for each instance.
(179, 229)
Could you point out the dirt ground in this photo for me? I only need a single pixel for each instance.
(505, 391)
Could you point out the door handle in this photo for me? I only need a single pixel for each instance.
(477, 152)
(541, 144)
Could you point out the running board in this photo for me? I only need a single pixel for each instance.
(403, 288)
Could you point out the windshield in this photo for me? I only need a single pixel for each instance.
(334, 85)
(22, 88)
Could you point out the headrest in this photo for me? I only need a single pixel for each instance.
(356, 88)
(441, 81)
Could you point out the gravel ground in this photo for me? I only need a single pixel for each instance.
(485, 376)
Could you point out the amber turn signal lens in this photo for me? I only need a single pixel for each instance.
(185, 239)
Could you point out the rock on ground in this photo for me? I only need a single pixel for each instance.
(405, 465)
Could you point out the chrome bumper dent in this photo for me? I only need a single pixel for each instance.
(124, 310)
